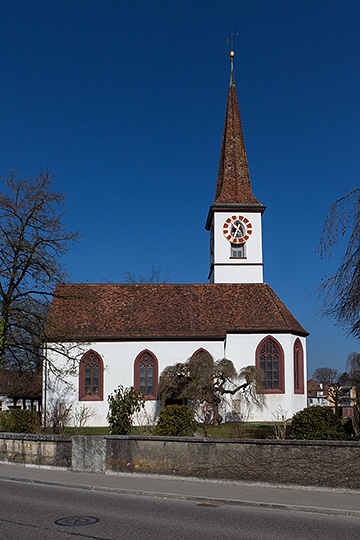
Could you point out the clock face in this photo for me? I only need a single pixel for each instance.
(237, 229)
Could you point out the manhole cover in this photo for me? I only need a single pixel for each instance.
(75, 521)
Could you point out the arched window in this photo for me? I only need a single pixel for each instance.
(91, 377)
(298, 367)
(202, 352)
(146, 374)
(270, 358)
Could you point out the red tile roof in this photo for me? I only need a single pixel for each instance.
(91, 312)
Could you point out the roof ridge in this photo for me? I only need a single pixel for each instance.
(274, 297)
(272, 294)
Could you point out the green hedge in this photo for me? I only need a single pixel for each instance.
(317, 423)
(176, 421)
(20, 421)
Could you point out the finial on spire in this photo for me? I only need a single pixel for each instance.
(232, 55)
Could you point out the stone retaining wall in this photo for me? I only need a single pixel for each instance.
(45, 450)
(317, 463)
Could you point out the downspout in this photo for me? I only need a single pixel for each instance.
(225, 344)
(45, 384)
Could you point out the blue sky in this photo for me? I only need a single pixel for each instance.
(125, 101)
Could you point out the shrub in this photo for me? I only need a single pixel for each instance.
(20, 421)
(123, 403)
(176, 421)
(317, 423)
(58, 415)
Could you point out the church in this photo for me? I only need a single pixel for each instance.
(128, 333)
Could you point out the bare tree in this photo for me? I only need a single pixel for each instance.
(81, 417)
(326, 376)
(336, 394)
(154, 277)
(58, 416)
(340, 292)
(32, 241)
(279, 423)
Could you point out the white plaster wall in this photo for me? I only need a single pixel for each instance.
(241, 349)
(119, 357)
(237, 274)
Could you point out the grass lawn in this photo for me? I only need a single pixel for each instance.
(247, 430)
(88, 431)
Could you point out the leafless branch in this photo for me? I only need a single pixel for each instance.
(339, 293)
(32, 241)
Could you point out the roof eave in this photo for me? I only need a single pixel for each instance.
(232, 207)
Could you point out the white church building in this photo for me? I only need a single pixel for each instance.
(128, 333)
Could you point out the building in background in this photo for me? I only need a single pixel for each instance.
(317, 394)
(20, 390)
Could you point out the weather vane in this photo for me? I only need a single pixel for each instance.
(232, 40)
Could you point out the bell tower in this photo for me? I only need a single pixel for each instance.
(234, 220)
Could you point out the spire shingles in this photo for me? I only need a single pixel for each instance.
(233, 183)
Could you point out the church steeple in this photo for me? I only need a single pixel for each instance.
(234, 220)
(233, 186)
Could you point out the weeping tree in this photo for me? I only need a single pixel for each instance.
(353, 370)
(205, 383)
(32, 241)
(339, 293)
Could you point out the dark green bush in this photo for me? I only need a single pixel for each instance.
(123, 403)
(20, 421)
(317, 423)
(176, 421)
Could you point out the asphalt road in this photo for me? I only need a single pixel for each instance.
(33, 512)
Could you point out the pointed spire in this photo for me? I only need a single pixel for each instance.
(233, 183)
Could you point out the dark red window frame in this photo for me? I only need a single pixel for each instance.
(201, 350)
(91, 365)
(269, 357)
(146, 363)
(298, 367)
